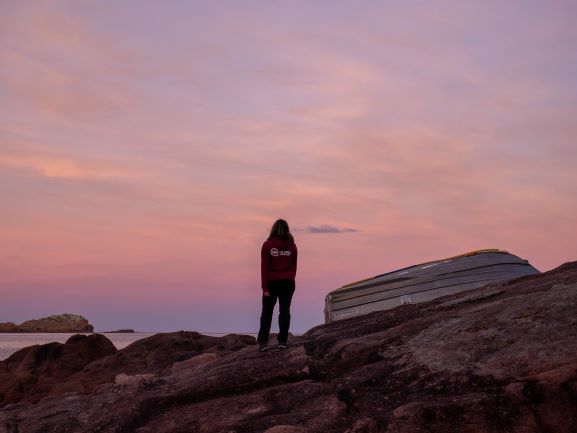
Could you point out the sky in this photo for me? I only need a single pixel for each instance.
(146, 148)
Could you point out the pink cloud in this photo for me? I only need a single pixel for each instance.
(154, 163)
(65, 168)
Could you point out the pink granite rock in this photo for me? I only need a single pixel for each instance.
(497, 359)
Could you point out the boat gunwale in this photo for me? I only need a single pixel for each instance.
(420, 291)
(336, 301)
(415, 280)
(448, 259)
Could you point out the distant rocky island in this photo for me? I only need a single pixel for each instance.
(58, 323)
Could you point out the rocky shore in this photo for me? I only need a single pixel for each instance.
(64, 323)
(502, 358)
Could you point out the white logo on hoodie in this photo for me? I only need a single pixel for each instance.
(275, 253)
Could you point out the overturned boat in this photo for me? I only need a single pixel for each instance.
(424, 282)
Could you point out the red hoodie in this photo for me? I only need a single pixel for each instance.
(278, 261)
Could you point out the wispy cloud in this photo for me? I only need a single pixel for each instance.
(65, 168)
(55, 64)
(147, 152)
(326, 228)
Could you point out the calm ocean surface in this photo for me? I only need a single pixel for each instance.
(10, 343)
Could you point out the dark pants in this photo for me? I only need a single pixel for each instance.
(283, 290)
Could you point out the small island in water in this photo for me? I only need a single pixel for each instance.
(64, 323)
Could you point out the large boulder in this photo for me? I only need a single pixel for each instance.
(157, 354)
(37, 371)
(496, 359)
(84, 363)
(65, 323)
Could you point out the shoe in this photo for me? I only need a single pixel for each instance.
(263, 347)
(282, 345)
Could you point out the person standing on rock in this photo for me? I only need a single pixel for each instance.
(278, 271)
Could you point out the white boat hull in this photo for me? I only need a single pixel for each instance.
(425, 282)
